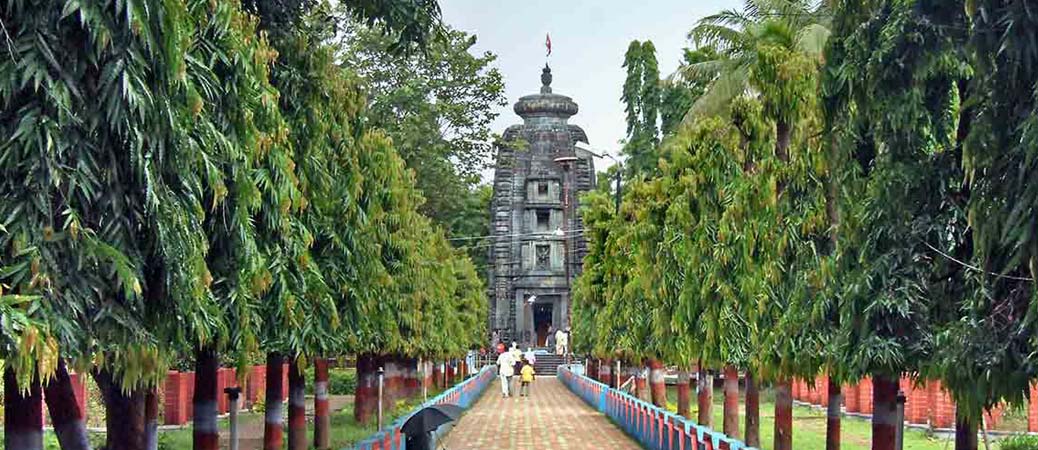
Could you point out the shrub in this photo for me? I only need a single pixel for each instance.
(340, 381)
(1019, 442)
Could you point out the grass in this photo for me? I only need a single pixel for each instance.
(809, 426)
(345, 431)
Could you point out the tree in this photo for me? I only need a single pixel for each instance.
(641, 97)
(904, 193)
(129, 220)
(681, 90)
(437, 106)
(772, 50)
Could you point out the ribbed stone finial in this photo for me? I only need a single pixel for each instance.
(546, 80)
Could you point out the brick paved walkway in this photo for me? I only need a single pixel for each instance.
(551, 418)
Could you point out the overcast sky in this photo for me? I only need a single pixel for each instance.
(589, 38)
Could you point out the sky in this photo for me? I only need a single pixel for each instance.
(589, 38)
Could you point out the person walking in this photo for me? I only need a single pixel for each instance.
(505, 371)
(526, 376)
(517, 363)
(529, 356)
(550, 340)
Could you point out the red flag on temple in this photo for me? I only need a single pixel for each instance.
(547, 43)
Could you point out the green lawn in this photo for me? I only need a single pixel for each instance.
(809, 426)
(345, 430)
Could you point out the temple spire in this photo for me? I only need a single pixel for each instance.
(546, 79)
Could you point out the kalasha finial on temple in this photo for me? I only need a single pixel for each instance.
(546, 80)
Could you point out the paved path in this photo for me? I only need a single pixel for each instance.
(551, 418)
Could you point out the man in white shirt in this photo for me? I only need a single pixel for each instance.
(505, 370)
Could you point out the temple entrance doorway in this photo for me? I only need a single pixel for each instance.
(542, 321)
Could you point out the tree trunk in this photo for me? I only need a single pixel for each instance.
(783, 416)
(657, 383)
(275, 394)
(65, 414)
(297, 438)
(641, 386)
(832, 424)
(884, 412)
(752, 411)
(731, 401)
(684, 394)
(322, 420)
(365, 402)
(206, 432)
(783, 131)
(705, 390)
(437, 374)
(151, 419)
(605, 371)
(23, 414)
(965, 432)
(124, 413)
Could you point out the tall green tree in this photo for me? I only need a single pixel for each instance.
(438, 106)
(641, 97)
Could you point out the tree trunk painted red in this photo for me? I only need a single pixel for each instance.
(322, 419)
(605, 371)
(65, 414)
(365, 402)
(206, 432)
(657, 383)
(705, 397)
(23, 414)
(437, 374)
(731, 401)
(965, 432)
(752, 411)
(832, 424)
(151, 419)
(124, 414)
(783, 416)
(884, 412)
(275, 394)
(641, 385)
(297, 438)
(684, 394)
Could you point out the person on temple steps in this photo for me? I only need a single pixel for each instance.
(529, 356)
(561, 341)
(526, 377)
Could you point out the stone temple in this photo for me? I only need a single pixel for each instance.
(537, 239)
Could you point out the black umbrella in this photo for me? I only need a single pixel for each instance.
(430, 418)
(419, 427)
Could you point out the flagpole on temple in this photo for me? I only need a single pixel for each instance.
(547, 44)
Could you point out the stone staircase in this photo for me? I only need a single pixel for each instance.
(547, 364)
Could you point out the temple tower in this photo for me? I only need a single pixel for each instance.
(537, 236)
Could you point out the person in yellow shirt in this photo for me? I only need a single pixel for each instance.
(526, 375)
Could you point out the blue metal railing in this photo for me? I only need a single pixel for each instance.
(463, 394)
(653, 427)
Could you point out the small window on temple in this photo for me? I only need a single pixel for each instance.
(543, 220)
(542, 189)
